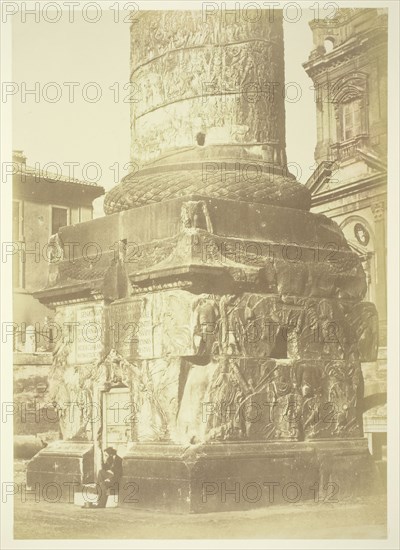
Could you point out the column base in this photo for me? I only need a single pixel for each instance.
(215, 477)
(238, 476)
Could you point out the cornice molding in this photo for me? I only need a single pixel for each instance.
(347, 51)
(376, 181)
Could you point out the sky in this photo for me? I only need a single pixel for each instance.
(78, 114)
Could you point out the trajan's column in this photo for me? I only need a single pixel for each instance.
(218, 324)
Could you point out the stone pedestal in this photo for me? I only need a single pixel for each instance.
(60, 470)
(192, 387)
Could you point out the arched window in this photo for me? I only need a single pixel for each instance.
(329, 44)
(350, 98)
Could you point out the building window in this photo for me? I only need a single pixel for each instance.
(59, 218)
(349, 96)
(351, 119)
(329, 44)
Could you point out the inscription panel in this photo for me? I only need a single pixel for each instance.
(81, 331)
(124, 323)
(89, 338)
(152, 326)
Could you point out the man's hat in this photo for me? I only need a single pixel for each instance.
(110, 451)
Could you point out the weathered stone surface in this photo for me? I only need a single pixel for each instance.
(60, 469)
(207, 112)
(201, 77)
(232, 476)
(210, 336)
(246, 243)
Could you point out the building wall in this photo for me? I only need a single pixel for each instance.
(36, 420)
(32, 229)
(374, 67)
(354, 195)
(35, 231)
(366, 69)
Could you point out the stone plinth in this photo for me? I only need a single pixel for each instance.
(240, 476)
(60, 470)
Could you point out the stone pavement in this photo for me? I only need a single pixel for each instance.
(364, 518)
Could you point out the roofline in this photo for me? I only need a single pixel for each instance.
(31, 172)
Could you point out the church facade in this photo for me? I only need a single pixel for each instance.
(348, 67)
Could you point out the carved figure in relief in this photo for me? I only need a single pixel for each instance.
(292, 413)
(230, 325)
(70, 392)
(256, 410)
(226, 392)
(341, 393)
(205, 320)
(195, 215)
(152, 422)
(312, 406)
(286, 403)
(363, 321)
(55, 256)
(56, 249)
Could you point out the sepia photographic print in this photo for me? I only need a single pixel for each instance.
(199, 284)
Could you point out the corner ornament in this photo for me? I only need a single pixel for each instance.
(194, 216)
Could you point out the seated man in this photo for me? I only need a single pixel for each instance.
(109, 475)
